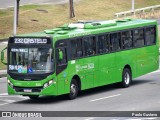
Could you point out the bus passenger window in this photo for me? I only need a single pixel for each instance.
(127, 39)
(115, 41)
(79, 52)
(76, 48)
(103, 44)
(138, 38)
(150, 35)
(90, 46)
(73, 48)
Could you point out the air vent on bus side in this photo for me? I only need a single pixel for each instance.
(59, 30)
(124, 20)
(100, 24)
(62, 32)
(49, 31)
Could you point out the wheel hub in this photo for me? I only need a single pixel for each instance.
(126, 78)
(73, 89)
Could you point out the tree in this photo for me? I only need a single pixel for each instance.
(71, 9)
(18, 1)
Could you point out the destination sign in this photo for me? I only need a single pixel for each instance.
(30, 40)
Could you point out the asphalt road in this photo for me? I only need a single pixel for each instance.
(142, 95)
(10, 3)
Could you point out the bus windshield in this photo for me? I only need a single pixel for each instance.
(31, 60)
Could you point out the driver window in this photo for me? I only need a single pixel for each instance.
(61, 56)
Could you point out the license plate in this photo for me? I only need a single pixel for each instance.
(27, 90)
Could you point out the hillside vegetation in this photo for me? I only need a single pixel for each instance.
(35, 18)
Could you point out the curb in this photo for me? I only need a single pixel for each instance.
(3, 73)
(4, 40)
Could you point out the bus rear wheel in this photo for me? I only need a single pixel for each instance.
(35, 97)
(126, 78)
(73, 89)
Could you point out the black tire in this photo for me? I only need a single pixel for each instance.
(34, 97)
(126, 78)
(73, 89)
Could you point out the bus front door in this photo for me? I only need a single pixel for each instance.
(61, 65)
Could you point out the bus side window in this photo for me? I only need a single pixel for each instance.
(61, 60)
(150, 35)
(76, 48)
(89, 46)
(73, 48)
(138, 38)
(115, 39)
(126, 39)
(103, 44)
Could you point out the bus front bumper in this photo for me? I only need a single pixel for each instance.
(31, 88)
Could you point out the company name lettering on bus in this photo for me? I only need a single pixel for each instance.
(30, 40)
(84, 67)
(79, 34)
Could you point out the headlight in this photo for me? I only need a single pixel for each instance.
(48, 83)
(10, 84)
(9, 81)
(45, 85)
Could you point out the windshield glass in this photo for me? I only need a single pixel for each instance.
(30, 60)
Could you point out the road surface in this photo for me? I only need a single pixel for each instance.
(10, 3)
(142, 95)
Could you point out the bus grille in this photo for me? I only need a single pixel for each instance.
(33, 89)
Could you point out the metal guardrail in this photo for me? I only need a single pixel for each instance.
(141, 10)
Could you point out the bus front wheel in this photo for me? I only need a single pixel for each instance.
(126, 78)
(73, 89)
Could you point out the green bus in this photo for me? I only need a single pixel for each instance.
(80, 56)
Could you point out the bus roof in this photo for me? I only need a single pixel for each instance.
(82, 28)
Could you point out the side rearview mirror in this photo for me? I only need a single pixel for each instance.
(60, 54)
(2, 56)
